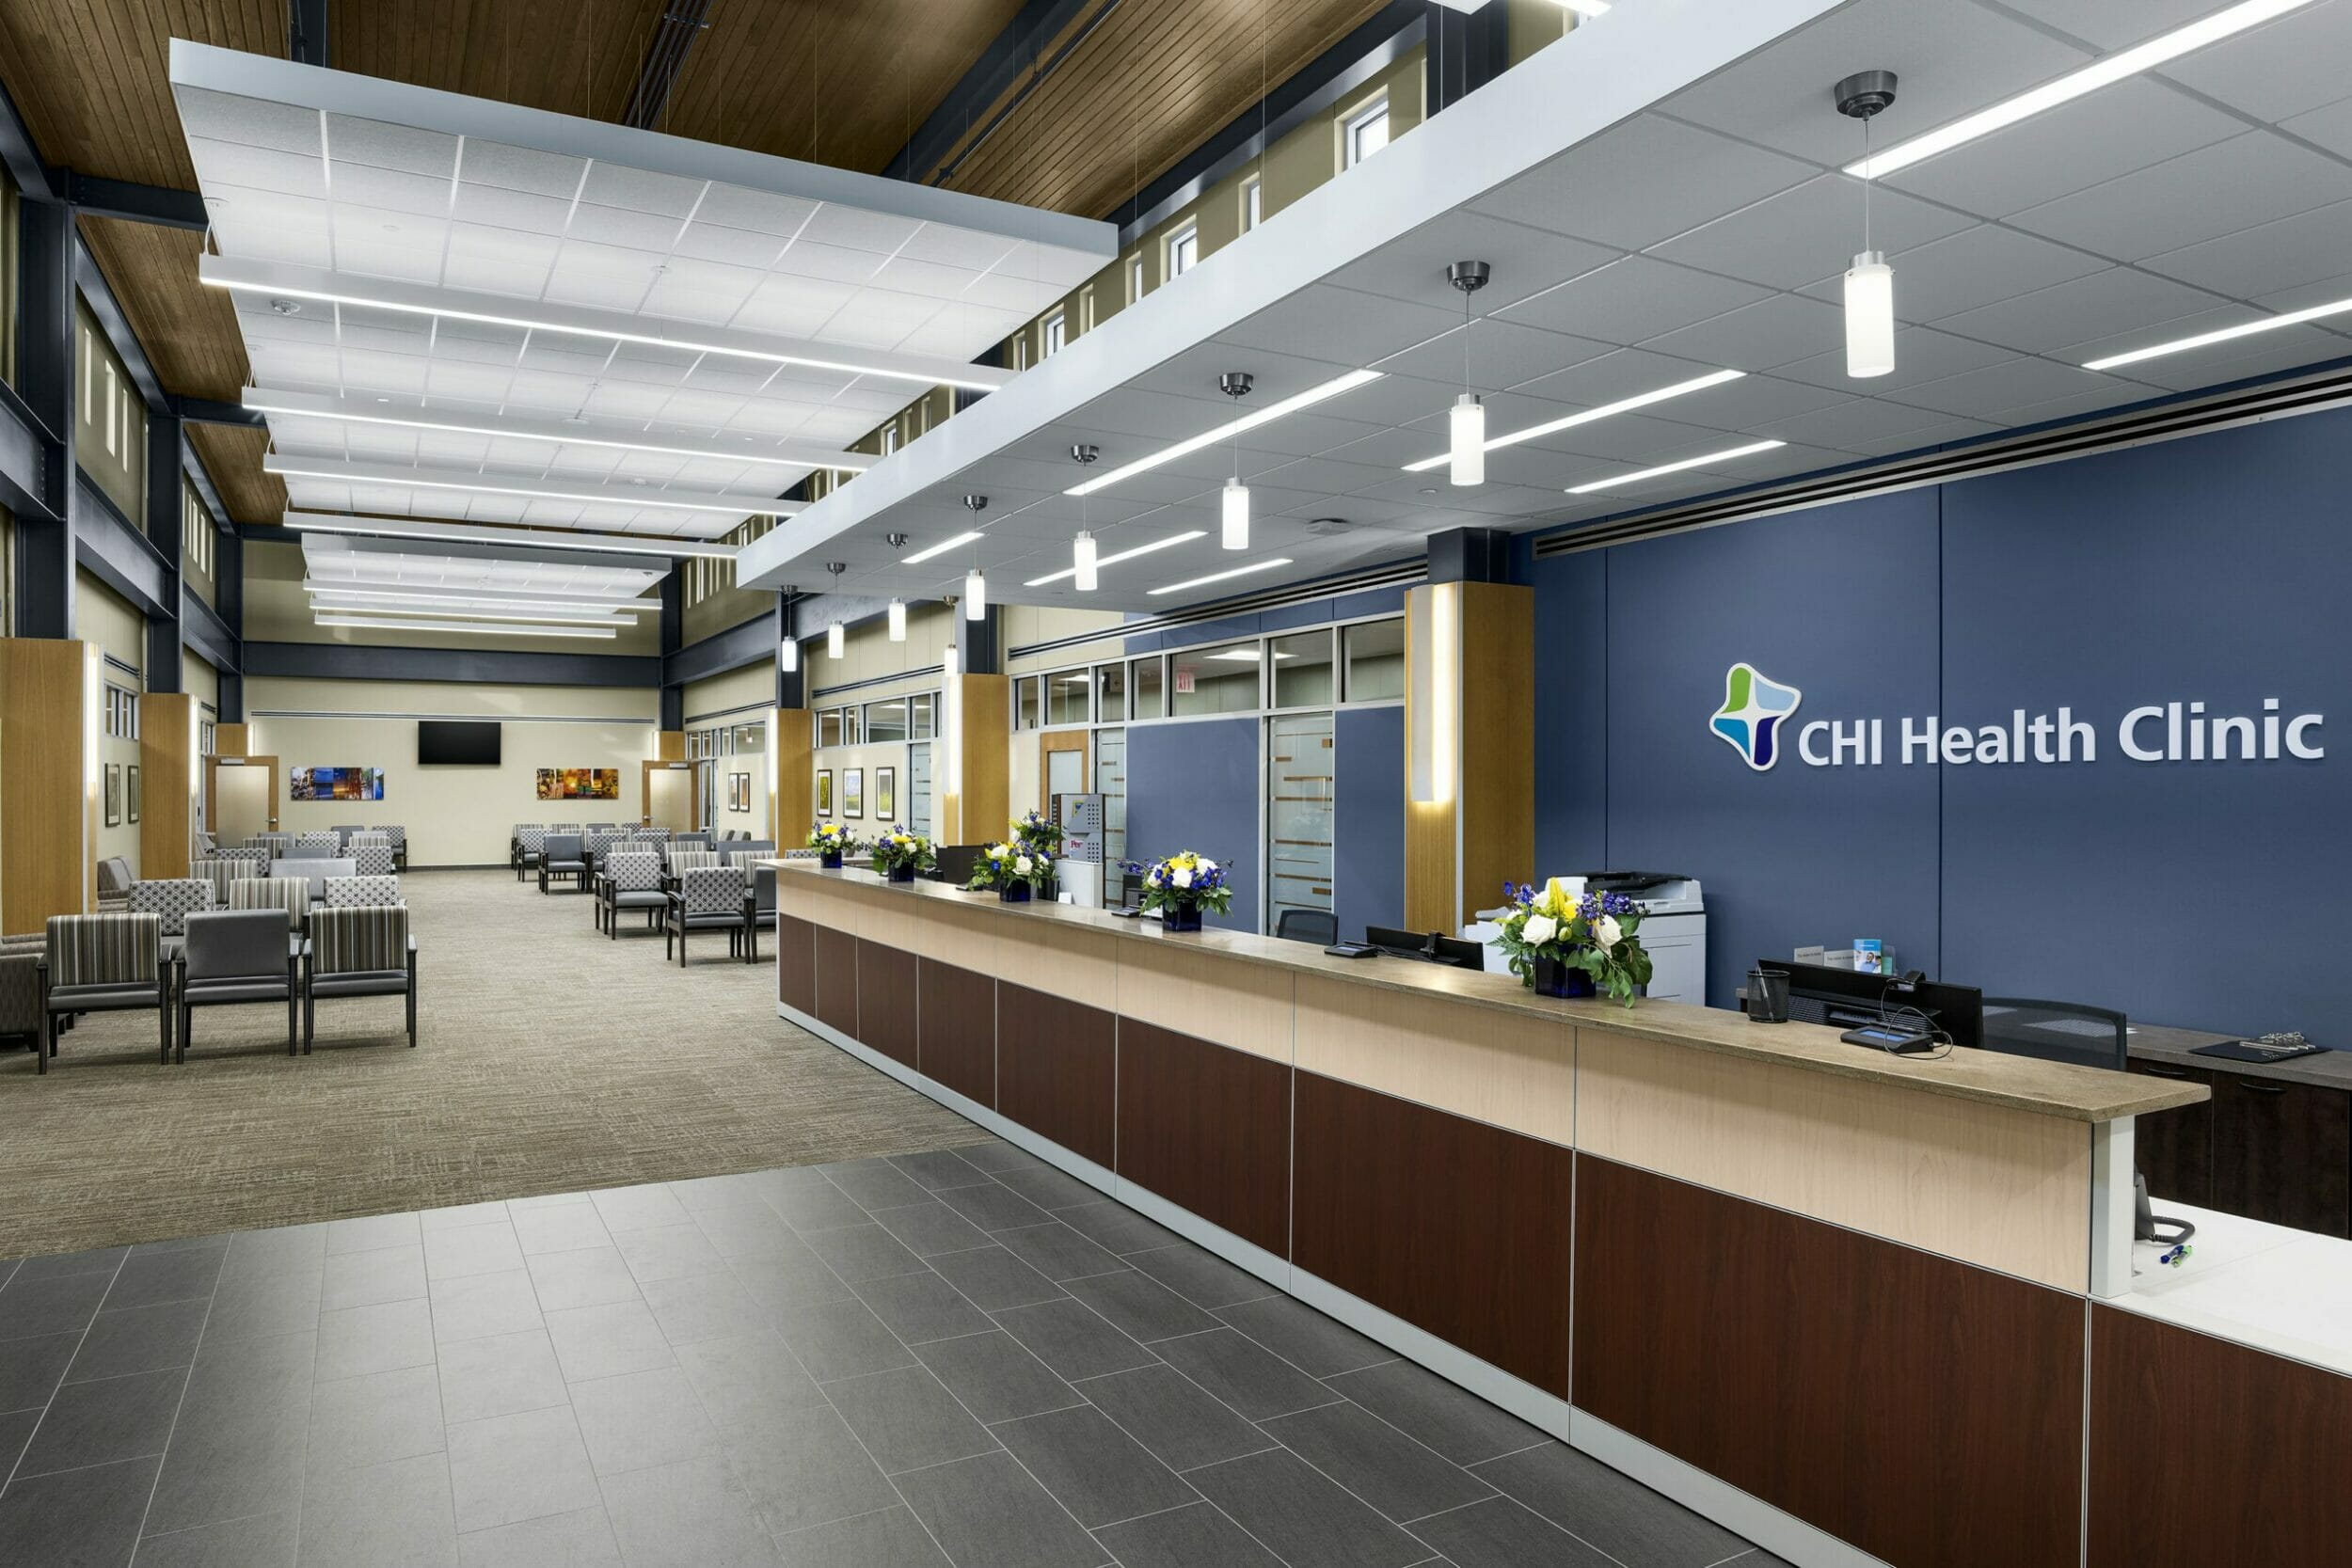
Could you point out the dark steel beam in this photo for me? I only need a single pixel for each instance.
(95, 196)
(213, 411)
(208, 634)
(305, 31)
(166, 521)
(23, 444)
(45, 332)
(1467, 50)
(978, 642)
(745, 643)
(673, 715)
(682, 21)
(112, 548)
(354, 661)
(100, 295)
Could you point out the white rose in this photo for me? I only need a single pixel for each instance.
(1606, 931)
(995, 851)
(1540, 929)
(1208, 866)
(1025, 866)
(1182, 878)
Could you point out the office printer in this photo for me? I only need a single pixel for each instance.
(1674, 928)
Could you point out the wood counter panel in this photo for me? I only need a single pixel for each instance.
(1515, 1073)
(1459, 1227)
(1929, 1413)
(956, 1014)
(1208, 1129)
(1992, 1186)
(1226, 1001)
(1057, 1069)
(886, 1001)
(1067, 961)
(796, 963)
(836, 979)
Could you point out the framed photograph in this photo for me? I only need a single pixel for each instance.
(824, 792)
(132, 793)
(575, 783)
(854, 792)
(885, 794)
(742, 792)
(334, 784)
(113, 794)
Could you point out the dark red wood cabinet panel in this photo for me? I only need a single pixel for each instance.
(2204, 1452)
(957, 1029)
(1057, 1069)
(1456, 1227)
(1926, 1411)
(836, 979)
(1208, 1129)
(2282, 1153)
(2174, 1149)
(885, 1000)
(796, 963)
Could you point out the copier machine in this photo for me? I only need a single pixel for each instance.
(1674, 928)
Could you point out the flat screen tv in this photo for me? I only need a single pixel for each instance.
(456, 744)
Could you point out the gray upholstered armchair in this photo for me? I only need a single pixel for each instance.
(235, 956)
(564, 856)
(114, 882)
(708, 898)
(631, 880)
(20, 989)
(359, 952)
(760, 909)
(531, 846)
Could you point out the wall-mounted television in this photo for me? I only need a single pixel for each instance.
(454, 743)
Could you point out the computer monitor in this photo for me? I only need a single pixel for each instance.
(956, 861)
(1845, 998)
(1432, 947)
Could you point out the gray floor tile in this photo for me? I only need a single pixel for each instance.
(471, 1249)
(263, 1306)
(1175, 1417)
(218, 1240)
(1140, 1307)
(357, 1341)
(814, 1207)
(791, 1280)
(857, 1253)
(746, 1379)
(51, 1304)
(394, 1514)
(893, 1538)
(703, 1195)
(560, 1228)
(1501, 1533)
(875, 1184)
(606, 1342)
(365, 1278)
(1244, 1373)
(995, 1377)
(476, 1305)
(922, 1307)
(1609, 1509)
(1074, 1339)
(929, 1227)
(991, 1207)
(502, 1375)
(638, 1208)
(1462, 1427)
(689, 1515)
(266, 1540)
(939, 1167)
(581, 1539)
(641, 1420)
(99, 1423)
(544, 1200)
(521, 1466)
(668, 1252)
(87, 1518)
(357, 1423)
(373, 1232)
(994, 1278)
(995, 1155)
(16, 1430)
(989, 1512)
(907, 1420)
(1200, 1536)
(1200, 1277)
(704, 1307)
(237, 1448)
(1305, 1337)
(592, 1277)
(457, 1216)
(738, 1234)
(802, 1467)
(1113, 1226)
(58, 1265)
(286, 1249)
(1057, 1251)
(1092, 1467)
(31, 1368)
(842, 1338)
(1050, 1188)
(1302, 1517)
(1379, 1464)
(154, 1279)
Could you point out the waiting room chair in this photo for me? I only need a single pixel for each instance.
(102, 963)
(235, 956)
(531, 846)
(316, 873)
(362, 891)
(760, 909)
(748, 849)
(328, 839)
(20, 989)
(114, 882)
(289, 896)
(564, 857)
(602, 827)
(700, 840)
(708, 898)
(595, 844)
(310, 851)
(342, 832)
(373, 860)
(1320, 927)
(274, 843)
(220, 874)
(256, 858)
(399, 835)
(359, 837)
(171, 900)
(359, 952)
(562, 826)
(631, 880)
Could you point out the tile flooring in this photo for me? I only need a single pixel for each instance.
(965, 1358)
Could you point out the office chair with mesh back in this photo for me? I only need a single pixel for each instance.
(2056, 1031)
(1320, 927)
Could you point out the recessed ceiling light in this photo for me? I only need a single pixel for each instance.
(1623, 405)
(490, 484)
(941, 548)
(2222, 335)
(1220, 577)
(1289, 405)
(391, 623)
(1640, 474)
(588, 540)
(2090, 78)
(1115, 558)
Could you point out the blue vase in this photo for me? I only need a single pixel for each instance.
(830, 860)
(902, 873)
(1015, 893)
(1556, 977)
(1183, 915)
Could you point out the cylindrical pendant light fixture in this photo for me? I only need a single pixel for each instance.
(1869, 316)
(897, 620)
(1468, 424)
(789, 655)
(1082, 560)
(975, 595)
(1237, 515)
(835, 639)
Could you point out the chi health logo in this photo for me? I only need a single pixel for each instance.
(1755, 709)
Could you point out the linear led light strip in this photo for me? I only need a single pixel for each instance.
(467, 598)
(343, 604)
(941, 548)
(586, 540)
(1624, 405)
(1154, 545)
(2090, 78)
(1220, 577)
(393, 623)
(1267, 415)
(361, 473)
(1664, 468)
(2222, 335)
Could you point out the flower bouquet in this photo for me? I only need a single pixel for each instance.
(1180, 886)
(900, 854)
(1581, 946)
(1016, 873)
(1040, 835)
(831, 840)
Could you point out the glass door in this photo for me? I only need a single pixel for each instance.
(1301, 824)
(919, 789)
(1110, 782)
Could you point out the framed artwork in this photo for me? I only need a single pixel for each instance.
(113, 794)
(580, 783)
(824, 792)
(854, 792)
(739, 791)
(132, 793)
(885, 794)
(335, 783)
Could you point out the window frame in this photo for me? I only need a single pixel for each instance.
(1252, 202)
(1181, 242)
(1356, 122)
(1053, 334)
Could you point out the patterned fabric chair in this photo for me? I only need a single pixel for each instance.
(311, 852)
(564, 857)
(597, 843)
(562, 826)
(289, 896)
(359, 952)
(631, 880)
(19, 988)
(257, 857)
(114, 882)
(362, 891)
(328, 839)
(651, 835)
(373, 860)
(760, 909)
(171, 900)
(234, 957)
(530, 847)
(342, 832)
(708, 898)
(399, 836)
(101, 963)
(602, 827)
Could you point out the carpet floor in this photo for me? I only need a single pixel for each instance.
(548, 1059)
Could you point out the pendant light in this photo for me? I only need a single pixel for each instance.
(1869, 282)
(975, 582)
(835, 639)
(1234, 510)
(1082, 553)
(1466, 425)
(788, 650)
(789, 655)
(897, 620)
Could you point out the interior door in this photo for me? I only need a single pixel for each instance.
(241, 803)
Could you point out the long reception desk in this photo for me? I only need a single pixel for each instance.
(1846, 1303)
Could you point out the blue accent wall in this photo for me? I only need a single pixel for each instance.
(1194, 785)
(1368, 859)
(2202, 894)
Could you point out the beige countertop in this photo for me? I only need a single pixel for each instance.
(2020, 1083)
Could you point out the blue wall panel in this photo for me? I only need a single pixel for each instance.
(1368, 759)
(1571, 716)
(1194, 785)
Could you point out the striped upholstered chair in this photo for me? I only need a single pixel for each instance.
(20, 989)
(631, 880)
(365, 951)
(256, 858)
(220, 874)
(289, 896)
(101, 963)
(708, 898)
(361, 837)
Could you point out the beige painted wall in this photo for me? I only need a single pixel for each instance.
(276, 611)
(455, 815)
(201, 681)
(105, 617)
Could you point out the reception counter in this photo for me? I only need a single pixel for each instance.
(1843, 1303)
